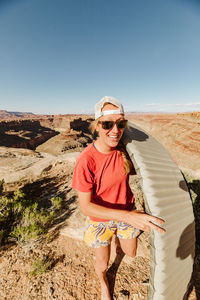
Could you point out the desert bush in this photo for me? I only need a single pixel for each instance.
(1, 186)
(71, 145)
(194, 189)
(57, 202)
(34, 222)
(23, 219)
(5, 209)
(193, 186)
(41, 266)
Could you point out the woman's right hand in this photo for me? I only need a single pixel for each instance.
(143, 221)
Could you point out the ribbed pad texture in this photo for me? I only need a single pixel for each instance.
(166, 196)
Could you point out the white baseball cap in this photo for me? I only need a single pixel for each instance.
(107, 99)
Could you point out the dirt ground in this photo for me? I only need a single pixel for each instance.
(72, 276)
(71, 273)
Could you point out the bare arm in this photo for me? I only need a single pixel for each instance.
(136, 218)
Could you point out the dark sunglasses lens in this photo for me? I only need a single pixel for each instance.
(122, 124)
(107, 124)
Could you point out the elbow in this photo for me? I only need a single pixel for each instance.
(85, 202)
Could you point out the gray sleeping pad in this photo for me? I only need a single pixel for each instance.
(166, 196)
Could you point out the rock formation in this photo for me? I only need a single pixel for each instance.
(22, 165)
(31, 133)
(24, 133)
(179, 133)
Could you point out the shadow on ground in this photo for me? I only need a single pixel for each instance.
(26, 134)
(37, 197)
(194, 190)
(112, 271)
(41, 191)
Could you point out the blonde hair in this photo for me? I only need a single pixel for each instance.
(93, 126)
(128, 165)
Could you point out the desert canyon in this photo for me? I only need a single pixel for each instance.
(37, 154)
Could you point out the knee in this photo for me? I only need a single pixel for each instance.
(131, 252)
(101, 264)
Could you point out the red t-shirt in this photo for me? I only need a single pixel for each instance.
(104, 176)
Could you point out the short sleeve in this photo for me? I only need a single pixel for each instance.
(83, 179)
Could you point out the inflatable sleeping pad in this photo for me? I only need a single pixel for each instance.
(165, 196)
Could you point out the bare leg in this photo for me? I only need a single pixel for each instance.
(101, 264)
(116, 244)
(129, 246)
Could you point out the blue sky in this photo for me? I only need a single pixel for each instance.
(62, 56)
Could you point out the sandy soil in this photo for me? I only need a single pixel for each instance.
(72, 276)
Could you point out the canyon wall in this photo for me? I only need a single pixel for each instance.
(178, 133)
(24, 133)
(30, 133)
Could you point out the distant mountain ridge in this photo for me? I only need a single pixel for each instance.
(4, 114)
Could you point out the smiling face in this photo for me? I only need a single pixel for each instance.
(109, 138)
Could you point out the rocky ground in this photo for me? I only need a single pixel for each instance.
(66, 262)
(71, 275)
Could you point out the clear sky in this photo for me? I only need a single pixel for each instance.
(62, 56)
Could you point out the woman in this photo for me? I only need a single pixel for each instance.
(101, 178)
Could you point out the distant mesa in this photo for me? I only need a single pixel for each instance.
(4, 114)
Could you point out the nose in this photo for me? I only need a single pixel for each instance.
(115, 129)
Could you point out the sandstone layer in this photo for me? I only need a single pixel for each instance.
(178, 133)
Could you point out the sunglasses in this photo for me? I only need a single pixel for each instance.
(107, 125)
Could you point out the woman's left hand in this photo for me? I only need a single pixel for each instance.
(143, 221)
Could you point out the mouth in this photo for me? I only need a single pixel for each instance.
(114, 137)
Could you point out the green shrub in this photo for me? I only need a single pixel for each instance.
(23, 219)
(5, 209)
(1, 186)
(26, 233)
(41, 266)
(34, 223)
(57, 202)
(193, 186)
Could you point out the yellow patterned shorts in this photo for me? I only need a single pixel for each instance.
(99, 234)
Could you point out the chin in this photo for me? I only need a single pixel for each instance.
(113, 144)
